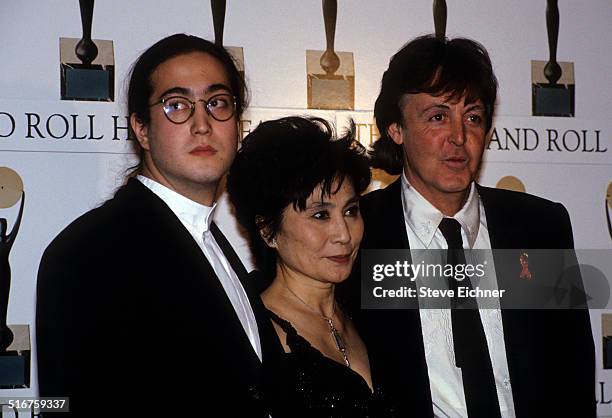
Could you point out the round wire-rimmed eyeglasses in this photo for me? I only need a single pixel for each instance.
(178, 109)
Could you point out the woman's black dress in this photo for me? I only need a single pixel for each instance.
(305, 383)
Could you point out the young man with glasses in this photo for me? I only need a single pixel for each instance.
(144, 295)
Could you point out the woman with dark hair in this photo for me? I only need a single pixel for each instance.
(296, 191)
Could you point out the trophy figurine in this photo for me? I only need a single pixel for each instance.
(14, 339)
(331, 74)
(552, 82)
(218, 14)
(439, 13)
(87, 67)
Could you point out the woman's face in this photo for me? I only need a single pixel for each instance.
(322, 241)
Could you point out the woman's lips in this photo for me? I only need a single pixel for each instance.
(341, 258)
(203, 150)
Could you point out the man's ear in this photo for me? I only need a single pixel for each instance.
(141, 130)
(395, 133)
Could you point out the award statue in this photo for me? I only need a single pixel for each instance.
(439, 13)
(87, 67)
(330, 73)
(218, 14)
(14, 340)
(552, 82)
(6, 243)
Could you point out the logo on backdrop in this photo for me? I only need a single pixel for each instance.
(11, 187)
(14, 361)
(87, 67)
(552, 82)
(511, 183)
(39, 124)
(554, 140)
(330, 73)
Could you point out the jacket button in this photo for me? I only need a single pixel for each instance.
(254, 392)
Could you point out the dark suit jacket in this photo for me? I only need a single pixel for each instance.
(131, 317)
(550, 353)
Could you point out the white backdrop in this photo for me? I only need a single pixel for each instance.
(65, 177)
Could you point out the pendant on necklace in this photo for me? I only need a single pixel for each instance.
(339, 342)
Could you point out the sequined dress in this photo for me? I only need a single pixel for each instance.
(305, 383)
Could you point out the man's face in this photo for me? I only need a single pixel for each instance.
(443, 142)
(189, 158)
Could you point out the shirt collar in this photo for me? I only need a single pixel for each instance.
(194, 214)
(424, 218)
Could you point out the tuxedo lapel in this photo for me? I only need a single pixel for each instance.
(267, 336)
(508, 234)
(229, 253)
(383, 217)
(499, 219)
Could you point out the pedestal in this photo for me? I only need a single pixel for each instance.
(15, 361)
(552, 99)
(330, 91)
(94, 82)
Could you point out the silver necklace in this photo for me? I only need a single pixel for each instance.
(330, 323)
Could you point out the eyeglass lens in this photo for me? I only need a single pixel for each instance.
(178, 109)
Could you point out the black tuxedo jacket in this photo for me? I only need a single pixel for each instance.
(132, 318)
(550, 353)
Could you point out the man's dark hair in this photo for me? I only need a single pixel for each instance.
(141, 87)
(280, 163)
(457, 67)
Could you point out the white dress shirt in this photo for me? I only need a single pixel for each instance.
(445, 380)
(197, 219)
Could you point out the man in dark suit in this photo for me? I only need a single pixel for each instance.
(142, 303)
(434, 111)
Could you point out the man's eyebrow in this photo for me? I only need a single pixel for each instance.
(435, 106)
(217, 87)
(184, 91)
(475, 106)
(176, 90)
